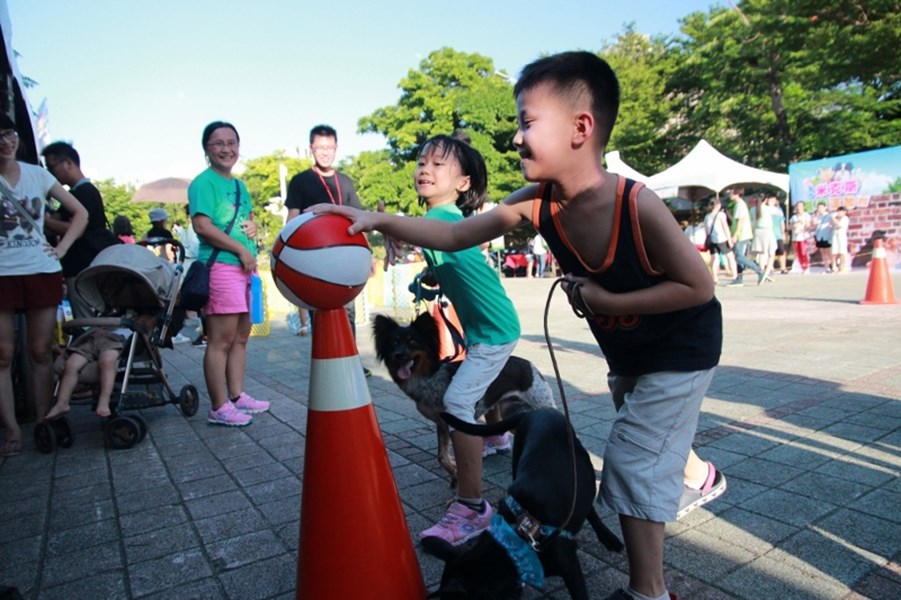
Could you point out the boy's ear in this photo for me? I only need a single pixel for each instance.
(584, 124)
(465, 183)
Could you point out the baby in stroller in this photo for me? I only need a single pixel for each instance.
(115, 357)
(103, 346)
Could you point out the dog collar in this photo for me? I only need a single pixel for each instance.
(526, 561)
(529, 528)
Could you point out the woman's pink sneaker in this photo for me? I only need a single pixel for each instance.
(251, 406)
(228, 415)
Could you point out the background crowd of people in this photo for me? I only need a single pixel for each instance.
(754, 234)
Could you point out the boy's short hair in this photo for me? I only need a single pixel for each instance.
(323, 131)
(574, 74)
(62, 150)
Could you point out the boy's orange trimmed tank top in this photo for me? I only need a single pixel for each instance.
(683, 340)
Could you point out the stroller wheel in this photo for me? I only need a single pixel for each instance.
(65, 437)
(142, 425)
(188, 400)
(45, 437)
(122, 433)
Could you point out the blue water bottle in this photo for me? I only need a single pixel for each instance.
(256, 299)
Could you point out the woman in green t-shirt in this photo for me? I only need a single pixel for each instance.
(222, 217)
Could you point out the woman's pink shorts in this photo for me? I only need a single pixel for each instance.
(229, 290)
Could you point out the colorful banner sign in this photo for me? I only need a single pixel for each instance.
(848, 180)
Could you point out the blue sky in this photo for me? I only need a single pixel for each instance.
(132, 84)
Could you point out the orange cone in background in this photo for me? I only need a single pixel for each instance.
(354, 540)
(879, 284)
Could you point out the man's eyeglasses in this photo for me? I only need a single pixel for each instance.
(9, 136)
(324, 148)
(219, 145)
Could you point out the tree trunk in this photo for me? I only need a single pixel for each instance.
(775, 89)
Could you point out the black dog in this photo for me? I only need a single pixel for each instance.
(411, 354)
(533, 532)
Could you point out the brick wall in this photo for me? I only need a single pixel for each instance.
(881, 217)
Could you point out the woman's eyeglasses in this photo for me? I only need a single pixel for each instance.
(9, 136)
(219, 145)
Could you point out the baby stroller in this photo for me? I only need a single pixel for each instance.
(122, 281)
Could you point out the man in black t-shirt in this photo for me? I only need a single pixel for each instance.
(64, 163)
(322, 184)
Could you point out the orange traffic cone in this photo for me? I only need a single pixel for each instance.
(354, 540)
(879, 284)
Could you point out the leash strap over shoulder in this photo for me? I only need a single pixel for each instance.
(216, 250)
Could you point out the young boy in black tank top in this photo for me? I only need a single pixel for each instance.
(632, 273)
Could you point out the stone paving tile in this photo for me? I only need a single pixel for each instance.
(749, 531)
(284, 510)
(880, 503)
(102, 585)
(787, 507)
(83, 536)
(781, 575)
(82, 562)
(168, 572)
(204, 589)
(829, 554)
(152, 520)
(160, 542)
(855, 468)
(271, 491)
(241, 550)
(776, 473)
(68, 516)
(694, 554)
(878, 535)
(160, 496)
(263, 579)
(208, 486)
(817, 485)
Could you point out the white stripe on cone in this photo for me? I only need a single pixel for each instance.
(338, 384)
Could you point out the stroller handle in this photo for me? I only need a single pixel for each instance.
(160, 241)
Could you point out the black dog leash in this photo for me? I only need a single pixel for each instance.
(569, 426)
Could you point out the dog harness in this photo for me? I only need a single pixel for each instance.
(519, 551)
(529, 528)
(524, 541)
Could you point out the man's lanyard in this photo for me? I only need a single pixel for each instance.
(328, 190)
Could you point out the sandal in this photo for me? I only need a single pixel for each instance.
(11, 448)
(303, 331)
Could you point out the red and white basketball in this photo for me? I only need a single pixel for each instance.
(316, 264)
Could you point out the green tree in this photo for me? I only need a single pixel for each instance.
(641, 132)
(776, 81)
(378, 177)
(261, 176)
(117, 201)
(449, 91)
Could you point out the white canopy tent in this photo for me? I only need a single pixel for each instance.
(615, 164)
(705, 167)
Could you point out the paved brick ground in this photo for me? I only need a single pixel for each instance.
(803, 416)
